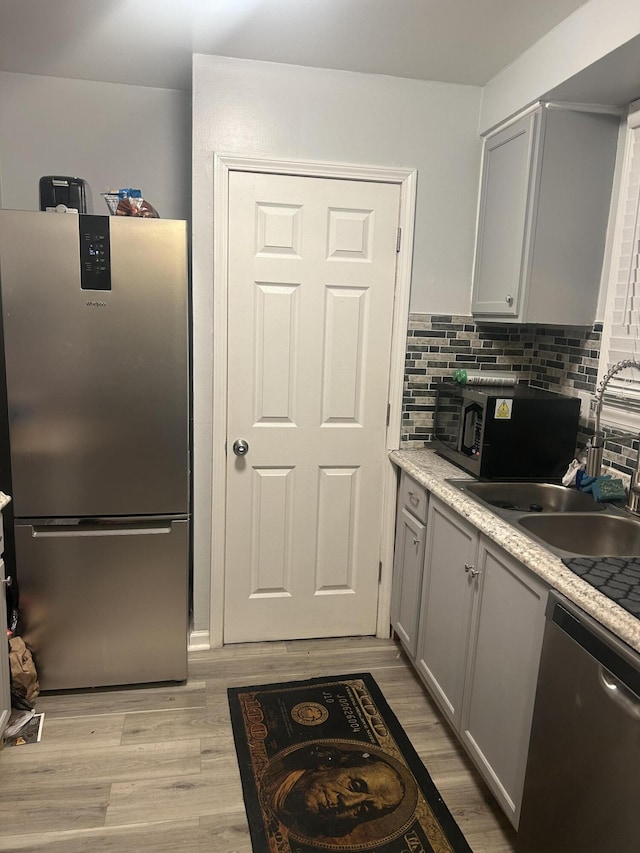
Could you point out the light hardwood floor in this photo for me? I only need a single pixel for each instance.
(154, 768)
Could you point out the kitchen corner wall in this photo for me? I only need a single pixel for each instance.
(286, 112)
(556, 359)
(110, 134)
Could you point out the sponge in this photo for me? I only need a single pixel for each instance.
(610, 489)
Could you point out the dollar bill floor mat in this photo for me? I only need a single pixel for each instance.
(326, 766)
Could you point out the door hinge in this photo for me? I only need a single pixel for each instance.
(388, 413)
(380, 571)
(398, 239)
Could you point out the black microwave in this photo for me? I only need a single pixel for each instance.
(506, 432)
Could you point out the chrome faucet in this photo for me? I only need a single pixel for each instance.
(633, 500)
(595, 446)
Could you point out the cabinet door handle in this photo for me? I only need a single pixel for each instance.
(416, 542)
(509, 299)
(7, 581)
(413, 499)
(471, 570)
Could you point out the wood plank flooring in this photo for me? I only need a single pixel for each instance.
(154, 768)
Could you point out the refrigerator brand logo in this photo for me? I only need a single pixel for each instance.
(93, 304)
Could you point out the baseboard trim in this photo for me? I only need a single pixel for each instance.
(199, 641)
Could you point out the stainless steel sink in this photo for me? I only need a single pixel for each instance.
(529, 497)
(567, 522)
(602, 535)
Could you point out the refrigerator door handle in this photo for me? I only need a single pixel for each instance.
(43, 531)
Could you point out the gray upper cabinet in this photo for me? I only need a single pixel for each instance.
(543, 213)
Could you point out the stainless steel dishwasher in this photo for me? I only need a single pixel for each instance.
(582, 784)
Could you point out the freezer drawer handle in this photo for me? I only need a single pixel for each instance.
(50, 531)
(619, 694)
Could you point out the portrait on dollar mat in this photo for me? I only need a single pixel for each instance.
(326, 766)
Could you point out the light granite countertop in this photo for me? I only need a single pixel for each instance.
(432, 471)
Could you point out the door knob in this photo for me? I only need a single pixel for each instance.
(240, 447)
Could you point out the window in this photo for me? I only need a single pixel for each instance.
(621, 334)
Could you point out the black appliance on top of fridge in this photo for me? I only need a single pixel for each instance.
(95, 345)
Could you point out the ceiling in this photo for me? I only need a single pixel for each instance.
(150, 42)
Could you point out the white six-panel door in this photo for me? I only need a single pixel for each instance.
(310, 308)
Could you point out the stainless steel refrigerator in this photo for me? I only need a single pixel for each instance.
(95, 342)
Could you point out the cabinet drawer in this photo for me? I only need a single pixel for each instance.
(413, 497)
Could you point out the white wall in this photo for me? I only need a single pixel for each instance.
(110, 134)
(594, 30)
(290, 112)
(269, 109)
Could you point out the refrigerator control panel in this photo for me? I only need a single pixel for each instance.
(95, 259)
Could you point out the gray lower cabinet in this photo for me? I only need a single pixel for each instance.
(479, 640)
(445, 610)
(5, 689)
(503, 657)
(408, 562)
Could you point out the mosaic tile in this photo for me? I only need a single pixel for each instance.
(564, 360)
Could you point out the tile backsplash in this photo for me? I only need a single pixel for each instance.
(557, 359)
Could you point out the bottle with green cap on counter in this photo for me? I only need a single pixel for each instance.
(465, 377)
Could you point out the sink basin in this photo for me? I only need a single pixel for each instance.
(529, 497)
(602, 535)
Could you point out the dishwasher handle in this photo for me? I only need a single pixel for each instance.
(619, 661)
(618, 693)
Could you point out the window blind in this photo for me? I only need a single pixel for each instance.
(621, 336)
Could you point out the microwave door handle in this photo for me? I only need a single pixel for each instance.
(468, 431)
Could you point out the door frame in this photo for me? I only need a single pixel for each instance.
(223, 164)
